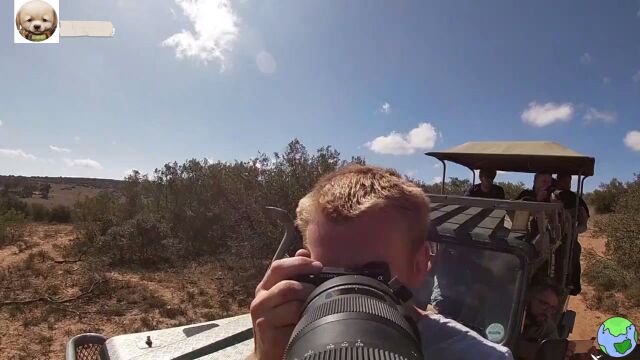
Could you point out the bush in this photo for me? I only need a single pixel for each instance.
(11, 227)
(603, 274)
(605, 199)
(11, 202)
(60, 214)
(621, 266)
(136, 241)
(39, 212)
(633, 294)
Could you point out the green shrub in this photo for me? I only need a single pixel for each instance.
(603, 274)
(60, 214)
(39, 212)
(136, 241)
(633, 294)
(605, 199)
(11, 227)
(620, 269)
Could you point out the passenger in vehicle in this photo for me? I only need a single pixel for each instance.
(541, 192)
(486, 188)
(569, 199)
(539, 324)
(543, 304)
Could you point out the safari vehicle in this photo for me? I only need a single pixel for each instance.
(489, 248)
(486, 255)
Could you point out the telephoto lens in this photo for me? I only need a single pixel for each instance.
(357, 318)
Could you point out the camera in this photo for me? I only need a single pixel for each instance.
(355, 314)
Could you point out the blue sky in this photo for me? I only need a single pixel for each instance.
(387, 80)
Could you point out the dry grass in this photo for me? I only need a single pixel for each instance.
(127, 300)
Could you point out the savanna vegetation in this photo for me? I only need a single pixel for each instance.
(189, 242)
(615, 275)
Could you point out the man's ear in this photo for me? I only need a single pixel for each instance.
(421, 265)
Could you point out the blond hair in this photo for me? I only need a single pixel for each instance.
(354, 190)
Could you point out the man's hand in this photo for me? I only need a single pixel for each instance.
(276, 308)
(571, 348)
(588, 356)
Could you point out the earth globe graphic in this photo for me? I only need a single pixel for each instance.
(617, 337)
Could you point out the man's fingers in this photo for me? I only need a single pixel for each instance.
(304, 253)
(286, 269)
(284, 315)
(283, 292)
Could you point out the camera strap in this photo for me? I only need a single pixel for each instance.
(400, 291)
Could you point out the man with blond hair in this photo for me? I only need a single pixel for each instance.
(352, 217)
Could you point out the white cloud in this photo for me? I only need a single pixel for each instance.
(636, 77)
(0, 122)
(59, 149)
(604, 116)
(76, 138)
(85, 163)
(216, 29)
(385, 108)
(632, 140)
(437, 165)
(606, 80)
(436, 180)
(586, 59)
(266, 63)
(17, 154)
(422, 137)
(540, 115)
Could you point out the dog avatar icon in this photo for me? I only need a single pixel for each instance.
(36, 20)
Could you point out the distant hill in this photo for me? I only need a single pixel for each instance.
(60, 190)
(86, 182)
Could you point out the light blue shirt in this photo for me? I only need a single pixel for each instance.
(445, 339)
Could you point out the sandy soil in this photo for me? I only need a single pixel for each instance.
(122, 300)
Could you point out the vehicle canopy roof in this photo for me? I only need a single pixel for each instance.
(519, 156)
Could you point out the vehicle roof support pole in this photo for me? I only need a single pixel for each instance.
(444, 173)
(473, 182)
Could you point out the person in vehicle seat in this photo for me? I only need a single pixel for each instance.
(354, 216)
(539, 324)
(541, 192)
(486, 188)
(569, 199)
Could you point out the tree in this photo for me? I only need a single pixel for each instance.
(511, 190)
(605, 198)
(27, 190)
(44, 190)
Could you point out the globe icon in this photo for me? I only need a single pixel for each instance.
(617, 337)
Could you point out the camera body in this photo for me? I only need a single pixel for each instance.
(376, 270)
